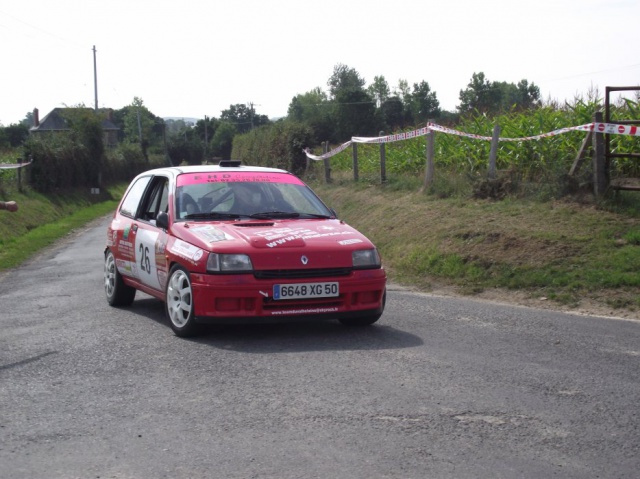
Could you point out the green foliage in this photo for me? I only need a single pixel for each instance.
(68, 159)
(279, 145)
(243, 117)
(422, 104)
(222, 142)
(532, 168)
(345, 78)
(124, 163)
(379, 90)
(13, 135)
(484, 96)
(314, 109)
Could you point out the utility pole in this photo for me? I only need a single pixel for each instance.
(95, 77)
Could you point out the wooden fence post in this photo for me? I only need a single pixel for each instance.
(588, 140)
(599, 169)
(430, 168)
(327, 164)
(355, 161)
(20, 175)
(494, 152)
(383, 162)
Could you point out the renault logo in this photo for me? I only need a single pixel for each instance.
(304, 259)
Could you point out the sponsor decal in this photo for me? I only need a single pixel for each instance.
(233, 176)
(126, 249)
(280, 236)
(349, 241)
(186, 250)
(304, 311)
(211, 234)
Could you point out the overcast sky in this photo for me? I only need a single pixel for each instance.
(196, 57)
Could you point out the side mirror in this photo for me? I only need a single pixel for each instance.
(162, 220)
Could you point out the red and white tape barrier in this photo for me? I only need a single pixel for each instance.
(606, 128)
(13, 166)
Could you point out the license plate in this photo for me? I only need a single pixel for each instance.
(305, 290)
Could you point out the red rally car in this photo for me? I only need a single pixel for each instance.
(231, 243)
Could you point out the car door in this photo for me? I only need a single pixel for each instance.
(149, 240)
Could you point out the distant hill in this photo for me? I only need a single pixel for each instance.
(183, 118)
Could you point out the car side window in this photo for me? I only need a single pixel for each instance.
(157, 199)
(132, 201)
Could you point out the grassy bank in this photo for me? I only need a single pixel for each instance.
(564, 251)
(42, 220)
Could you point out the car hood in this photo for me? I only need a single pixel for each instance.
(279, 244)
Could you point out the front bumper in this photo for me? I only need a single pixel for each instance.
(228, 299)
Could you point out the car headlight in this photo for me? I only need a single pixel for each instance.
(222, 263)
(366, 258)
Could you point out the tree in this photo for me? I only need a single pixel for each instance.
(315, 110)
(494, 97)
(344, 79)
(423, 103)
(14, 135)
(480, 95)
(139, 125)
(393, 113)
(379, 90)
(244, 117)
(529, 95)
(402, 91)
(222, 141)
(355, 114)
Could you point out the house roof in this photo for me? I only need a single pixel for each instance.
(55, 121)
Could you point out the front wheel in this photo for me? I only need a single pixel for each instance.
(179, 302)
(118, 293)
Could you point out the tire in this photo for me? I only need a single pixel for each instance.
(118, 293)
(179, 303)
(366, 320)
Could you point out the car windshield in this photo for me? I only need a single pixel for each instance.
(245, 195)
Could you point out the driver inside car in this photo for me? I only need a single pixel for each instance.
(246, 199)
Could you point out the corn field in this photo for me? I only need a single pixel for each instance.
(532, 161)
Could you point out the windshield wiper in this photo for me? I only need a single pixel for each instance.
(315, 215)
(275, 214)
(212, 215)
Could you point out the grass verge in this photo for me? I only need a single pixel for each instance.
(567, 252)
(40, 221)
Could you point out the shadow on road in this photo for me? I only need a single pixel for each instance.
(288, 337)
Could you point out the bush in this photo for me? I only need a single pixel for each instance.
(278, 145)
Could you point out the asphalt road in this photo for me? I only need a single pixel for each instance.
(439, 387)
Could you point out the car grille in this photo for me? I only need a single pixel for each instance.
(302, 273)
